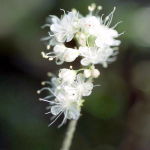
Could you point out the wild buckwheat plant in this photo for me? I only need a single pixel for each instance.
(96, 43)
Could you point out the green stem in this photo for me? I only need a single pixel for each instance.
(69, 135)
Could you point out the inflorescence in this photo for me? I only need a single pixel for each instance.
(96, 43)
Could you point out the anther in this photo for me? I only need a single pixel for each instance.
(92, 7)
(99, 7)
(48, 47)
(43, 83)
(51, 58)
(71, 67)
(44, 55)
(38, 92)
(49, 74)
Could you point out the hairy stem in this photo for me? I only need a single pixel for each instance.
(69, 135)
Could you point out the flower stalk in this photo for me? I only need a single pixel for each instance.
(69, 135)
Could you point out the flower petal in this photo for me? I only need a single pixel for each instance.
(56, 109)
(85, 62)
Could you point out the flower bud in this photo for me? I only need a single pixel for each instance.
(87, 73)
(95, 73)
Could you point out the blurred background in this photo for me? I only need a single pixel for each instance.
(117, 114)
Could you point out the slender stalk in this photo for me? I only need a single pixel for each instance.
(69, 135)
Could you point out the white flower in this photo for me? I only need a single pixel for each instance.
(94, 55)
(66, 97)
(90, 24)
(65, 28)
(66, 104)
(67, 75)
(62, 54)
(63, 99)
(83, 87)
(65, 54)
(105, 35)
(92, 72)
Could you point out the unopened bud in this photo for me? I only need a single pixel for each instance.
(87, 73)
(48, 47)
(95, 73)
(38, 92)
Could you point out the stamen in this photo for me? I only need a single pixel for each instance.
(51, 35)
(99, 7)
(96, 85)
(44, 55)
(101, 18)
(51, 58)
(116, 24)
(48, 97)
(45, 38)
(63, 11)
(40, 99)
(92, 7)
(64, 120)
(38, 92)
(45, 82)
(74, 10)
(48, 47)
(45, 25)
(47, 113)
(110, 17)
(51, 102)
(49, 74)
(55, 119)
(41, 90)
(121, 33)
(71, 67)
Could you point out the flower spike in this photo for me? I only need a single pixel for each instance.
(95, 43)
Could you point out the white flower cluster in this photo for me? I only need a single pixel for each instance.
(95, 43)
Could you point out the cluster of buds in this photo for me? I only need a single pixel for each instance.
(96, 43)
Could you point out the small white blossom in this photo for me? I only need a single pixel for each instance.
(90, 24)
(83, 86)
(105, 35)
(63, 99)
(94, 55)
(66, 97)
(65, 103)
(65, 54)
(92, 72)
(67, 75)
(64, 29)
(62, 54)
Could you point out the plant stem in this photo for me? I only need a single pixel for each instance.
(69, 135)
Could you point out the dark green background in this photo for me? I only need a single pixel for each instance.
(116, 115)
